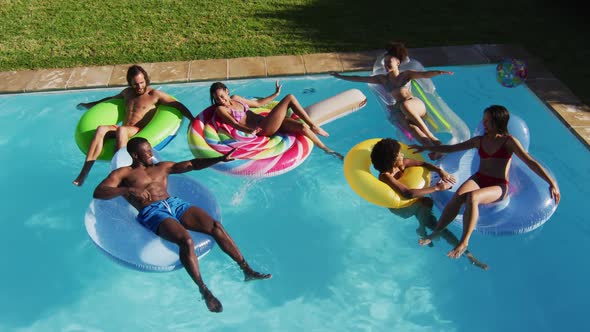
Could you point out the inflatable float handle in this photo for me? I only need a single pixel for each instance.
(430, 106)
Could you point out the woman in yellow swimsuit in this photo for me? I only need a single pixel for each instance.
(408, 110)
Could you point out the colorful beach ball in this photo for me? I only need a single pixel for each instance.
(511, 72)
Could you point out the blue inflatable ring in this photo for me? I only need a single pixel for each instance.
(112, 226)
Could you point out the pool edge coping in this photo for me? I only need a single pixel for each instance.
(555, 95)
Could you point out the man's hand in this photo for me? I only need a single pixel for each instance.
(82, 106)
(555, 194)
(139, 195)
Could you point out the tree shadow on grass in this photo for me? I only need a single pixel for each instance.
(544, 28)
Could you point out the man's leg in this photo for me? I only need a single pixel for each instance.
(94, 151)
(174, 232)
(123, 135)
(197, 219)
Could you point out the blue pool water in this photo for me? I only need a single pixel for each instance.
(338, 262)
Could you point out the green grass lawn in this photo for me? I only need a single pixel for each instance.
(70, 33)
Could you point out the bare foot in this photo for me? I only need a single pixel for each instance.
(425, 241)
(422, 234)
(481, 265)
(212, 302)
(253, 275)
(319, 131)
(336, 154)
(457, 251)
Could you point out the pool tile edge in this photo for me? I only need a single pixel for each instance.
(556, 96)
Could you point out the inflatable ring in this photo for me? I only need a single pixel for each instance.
(357, 170)
(112, 226)
(528, 204)
(440, 119)
(256, 156)
(261, 156)
(159, 131)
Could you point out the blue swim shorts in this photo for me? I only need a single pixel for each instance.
(154, 214)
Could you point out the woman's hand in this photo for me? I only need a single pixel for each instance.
(555, 194)
(256, 130)
(442, 185)
(417, 148)
(335, 74)
(277, 87)
(444, 72)
(446, 177)
(227, 157)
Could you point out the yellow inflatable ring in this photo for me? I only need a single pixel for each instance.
(357, 170)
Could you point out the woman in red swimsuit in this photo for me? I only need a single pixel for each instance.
(490, 183)
(235, 111)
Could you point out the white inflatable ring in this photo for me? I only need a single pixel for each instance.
(112, 226)
(528, 204)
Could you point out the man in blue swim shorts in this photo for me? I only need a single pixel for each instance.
(154, 214)
(144, 185)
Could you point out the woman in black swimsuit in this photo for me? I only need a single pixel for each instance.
(408, 110)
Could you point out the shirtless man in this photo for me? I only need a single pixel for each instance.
(145, 186)
(140, 103)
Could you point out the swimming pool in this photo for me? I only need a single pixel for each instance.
(338, 262)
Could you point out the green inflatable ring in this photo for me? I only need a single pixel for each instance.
(159, 131)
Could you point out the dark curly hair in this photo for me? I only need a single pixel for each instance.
(134, 71)
(214, 87)
(384, 154)
(397, 50)
(500, 117)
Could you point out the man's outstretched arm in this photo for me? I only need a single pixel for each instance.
(91, 104)
(166, 99)
(199, 163)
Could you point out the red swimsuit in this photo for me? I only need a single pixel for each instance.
(485, 180)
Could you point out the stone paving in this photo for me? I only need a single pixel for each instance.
(556, 95)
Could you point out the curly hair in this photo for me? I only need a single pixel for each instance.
(500, 117)
(134, 71)
(384, 154)
(397, 50)
(214, 87)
